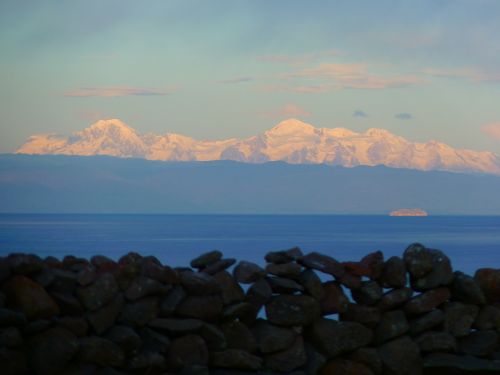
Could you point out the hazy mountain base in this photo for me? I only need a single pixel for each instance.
(95, 184)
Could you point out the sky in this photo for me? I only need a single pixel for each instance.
(427, 69)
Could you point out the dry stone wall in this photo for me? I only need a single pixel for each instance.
(300, 314)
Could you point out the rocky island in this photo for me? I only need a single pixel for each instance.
(409, 212)
(295, 314)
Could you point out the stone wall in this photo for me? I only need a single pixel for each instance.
(301, 314)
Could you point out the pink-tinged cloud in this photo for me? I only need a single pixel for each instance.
(287, 111)
(110, 92)
(492, 130)
(237, 80)
(298, 59)
(350, 76)
(470, 74)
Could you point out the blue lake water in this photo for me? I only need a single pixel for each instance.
(471, 242)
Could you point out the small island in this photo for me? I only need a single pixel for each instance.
(409, 212)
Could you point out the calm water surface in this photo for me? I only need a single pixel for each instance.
(471, 242)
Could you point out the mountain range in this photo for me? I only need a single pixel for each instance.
(292, 141)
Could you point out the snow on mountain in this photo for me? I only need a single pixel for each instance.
(292, 141)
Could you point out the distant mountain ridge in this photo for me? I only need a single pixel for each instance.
(292, 141)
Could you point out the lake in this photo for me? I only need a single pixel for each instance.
(470, 241)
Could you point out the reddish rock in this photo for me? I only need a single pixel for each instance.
(248, 272)
(350, 281)
(291, 270)
(206, 259)
(30, 298)
(394, 273)
(163, 274)
(312, 284)
(370, 266)
(219, 266)
(283, 256)
(334, 300)
(230, 289)
(322, 263)
(395, 298)
(488, 280)
(292, 310)
(427, 301)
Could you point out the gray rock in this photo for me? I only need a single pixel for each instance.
(427, 301)
(394, 273)
(230, 289)
(125, 337)
(99, 293)
(401, 357)
(334, 300)
(488, 318)
(465, 289)
(287, 360)
(312, 284)
(441, 273)
(207, 308)
(395, 298)
(239, 336)
(146, 362)
(315, 361)
(163, 274)
(219, 266)
(292, 310)
(369, 293)
(236, 359)
(105, 317)
(418, 260)
(247, 272)
(199, 283)
(283, 256)
(436, 342)
(144, 287)
(339, 366)
(458, 318)
(171, 301)
(68, 304)
(259, 293)
(290, 270)
(243, 311)
(213, 336)
(369, 357)
(332, 338)
(446, 363)
(188, 350)
(392, 324)
(271, 338)
(140, 312)
(426, 322)
(24, 264)
(479, 343)
(281, 285)
(366, 315)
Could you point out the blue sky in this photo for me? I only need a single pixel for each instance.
(427, 69)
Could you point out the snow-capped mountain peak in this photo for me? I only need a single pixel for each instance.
(292, 141)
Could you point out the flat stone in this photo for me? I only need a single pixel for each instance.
(427, 301)
(243, 311)
(101, 352)
(176, 327)
(394, 273)
(271, 338)
(231, 291)
(312, 284)
(436, 342)
(236, 359)
(102, 319)
(290, 270)
(334, 300)
(292, 310)
(207, 308)
(50, 351)
(239, 336)
(333, 338)
(125, 337)
(458, 318)
(287, 360)
(395, 298)
(188, 350)
(488, 318)
(206, 259)
(479, 343)
(220, 265)
(99, 293)
(139, 313)
(158, 272)
(281, 285)
(199, 283)
(488, 280)
(68, 304)
(366, 315)
(401, 357)
(283, 256)
(450, 362)
(369, 293)
(465, 289)
(248, 272)
(144, 286)
(30, 298)
(345, 367)
(322, 263)
(426, 322)
(392, 324)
